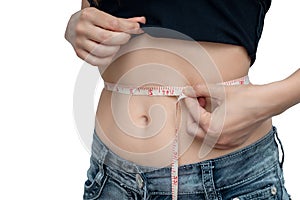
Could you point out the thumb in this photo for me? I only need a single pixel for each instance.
(138, 19)
(198, 114)
(202, 90)
(141, 20)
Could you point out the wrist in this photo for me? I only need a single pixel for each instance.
(265, 101)
(274, 98)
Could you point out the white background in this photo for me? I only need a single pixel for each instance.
(41, 154)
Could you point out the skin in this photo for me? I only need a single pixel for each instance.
(246, 105)
(97, 37)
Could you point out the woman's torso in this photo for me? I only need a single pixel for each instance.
(123, 122)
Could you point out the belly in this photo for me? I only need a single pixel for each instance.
(141, 128)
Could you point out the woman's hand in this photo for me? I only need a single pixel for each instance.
(97, 36)
(236, 113)
(238, 110)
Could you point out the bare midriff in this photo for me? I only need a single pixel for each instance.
(141, 128)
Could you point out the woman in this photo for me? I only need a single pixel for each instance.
(240, 158)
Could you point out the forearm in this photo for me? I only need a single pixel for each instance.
(281, 95)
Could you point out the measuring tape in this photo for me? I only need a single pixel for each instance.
(166, 91)
(144, 90)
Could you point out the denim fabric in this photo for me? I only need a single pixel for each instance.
(253, 172)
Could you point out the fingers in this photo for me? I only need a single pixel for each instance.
(202, 90)
(109, 22)
(196, 91)
(204, 125)
(141, 20)
(117, 38)
(198, 114)
(103, 36)
(193, 128)
(93, 60)
(138, 19)
(97, 36)
(100, 50)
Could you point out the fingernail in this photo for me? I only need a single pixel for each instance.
(143, 20)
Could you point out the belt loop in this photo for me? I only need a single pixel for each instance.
(281, 146)
(145, 191)
(141, 183)
(103, 156)
(145, 187)
(208, 182)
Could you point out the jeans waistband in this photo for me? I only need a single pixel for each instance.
(230, 169)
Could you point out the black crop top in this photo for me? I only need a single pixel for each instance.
(238, 22)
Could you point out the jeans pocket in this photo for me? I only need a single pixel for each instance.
(95, 183)
(267, 193)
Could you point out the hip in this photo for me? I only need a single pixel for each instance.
(253, 172)
(141, 128)
(149, 142)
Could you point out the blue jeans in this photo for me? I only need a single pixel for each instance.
(253, 172)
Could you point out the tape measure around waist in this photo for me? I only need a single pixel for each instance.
(166, 91)
(161, 90)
